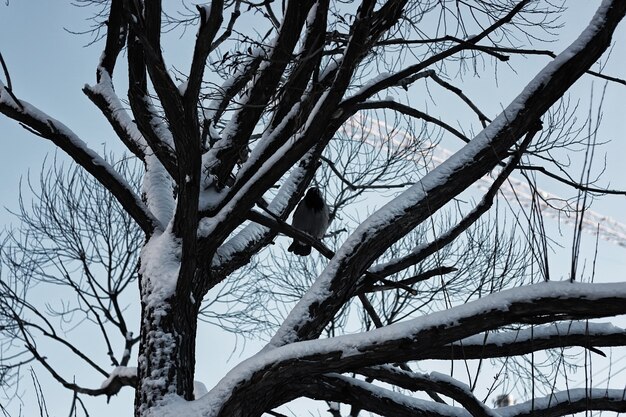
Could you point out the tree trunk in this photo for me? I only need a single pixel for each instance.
(166, 361)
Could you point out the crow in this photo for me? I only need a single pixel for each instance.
(311, 216)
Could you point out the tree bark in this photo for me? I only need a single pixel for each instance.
(166, 362)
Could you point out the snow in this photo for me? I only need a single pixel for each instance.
(207, 225)
(209, 112)
(207, 11)
(494, 302)
(380, 77)
(158, 125)
(157, 187)
(104, 88)
(316, 109)
(269, 136)
(199, 389)
(182, 87)
(121, 371)
(330, 67)
(569, 396)
(5, 98)
(422, 407)
(542, 332)
(310, 18)
(210, 197)
(160, 263)
(447, 379)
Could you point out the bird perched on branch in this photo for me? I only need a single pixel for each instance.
(311, 216)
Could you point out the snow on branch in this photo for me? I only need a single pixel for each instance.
(285, 200)
(104, 97)
(157, 184)
(115, 38)
(237, 132)
(423, 251)
(158, 189)
(146, 27)
(569, 402)
(408, 340)
(384, 402)
(224, 94)
(333, 387)
(46, 127)
(119, 377)
(520, 342)
(437, 382)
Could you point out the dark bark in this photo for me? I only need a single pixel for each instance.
(166, 361)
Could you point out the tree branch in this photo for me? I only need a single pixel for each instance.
(115, 38)
(288, 230)
(409, 111)
(64, 138)
(439, 383)
(529, 340)
(573, 184)
(210, 21)
(104, 97)
(445, 239)
(397, 78)
(366, 396)
(571, 401)
(536, 304)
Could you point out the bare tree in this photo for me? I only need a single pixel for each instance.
(223, 164)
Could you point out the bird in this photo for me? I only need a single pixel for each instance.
(312, 217)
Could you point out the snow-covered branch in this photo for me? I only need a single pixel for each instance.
(236, 251)
(104, 97)
(148, 121)
(408, 340)
(569, 402)
(422, 252)
(48, 128)
(384, 402)
(520, 342)
(439, 383)
(115, 38)
(237, 132)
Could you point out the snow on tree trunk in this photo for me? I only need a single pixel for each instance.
(168, 327)
(167, 361)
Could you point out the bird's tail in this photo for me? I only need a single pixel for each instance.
(300, 248)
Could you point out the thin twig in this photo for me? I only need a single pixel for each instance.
(281, 226)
